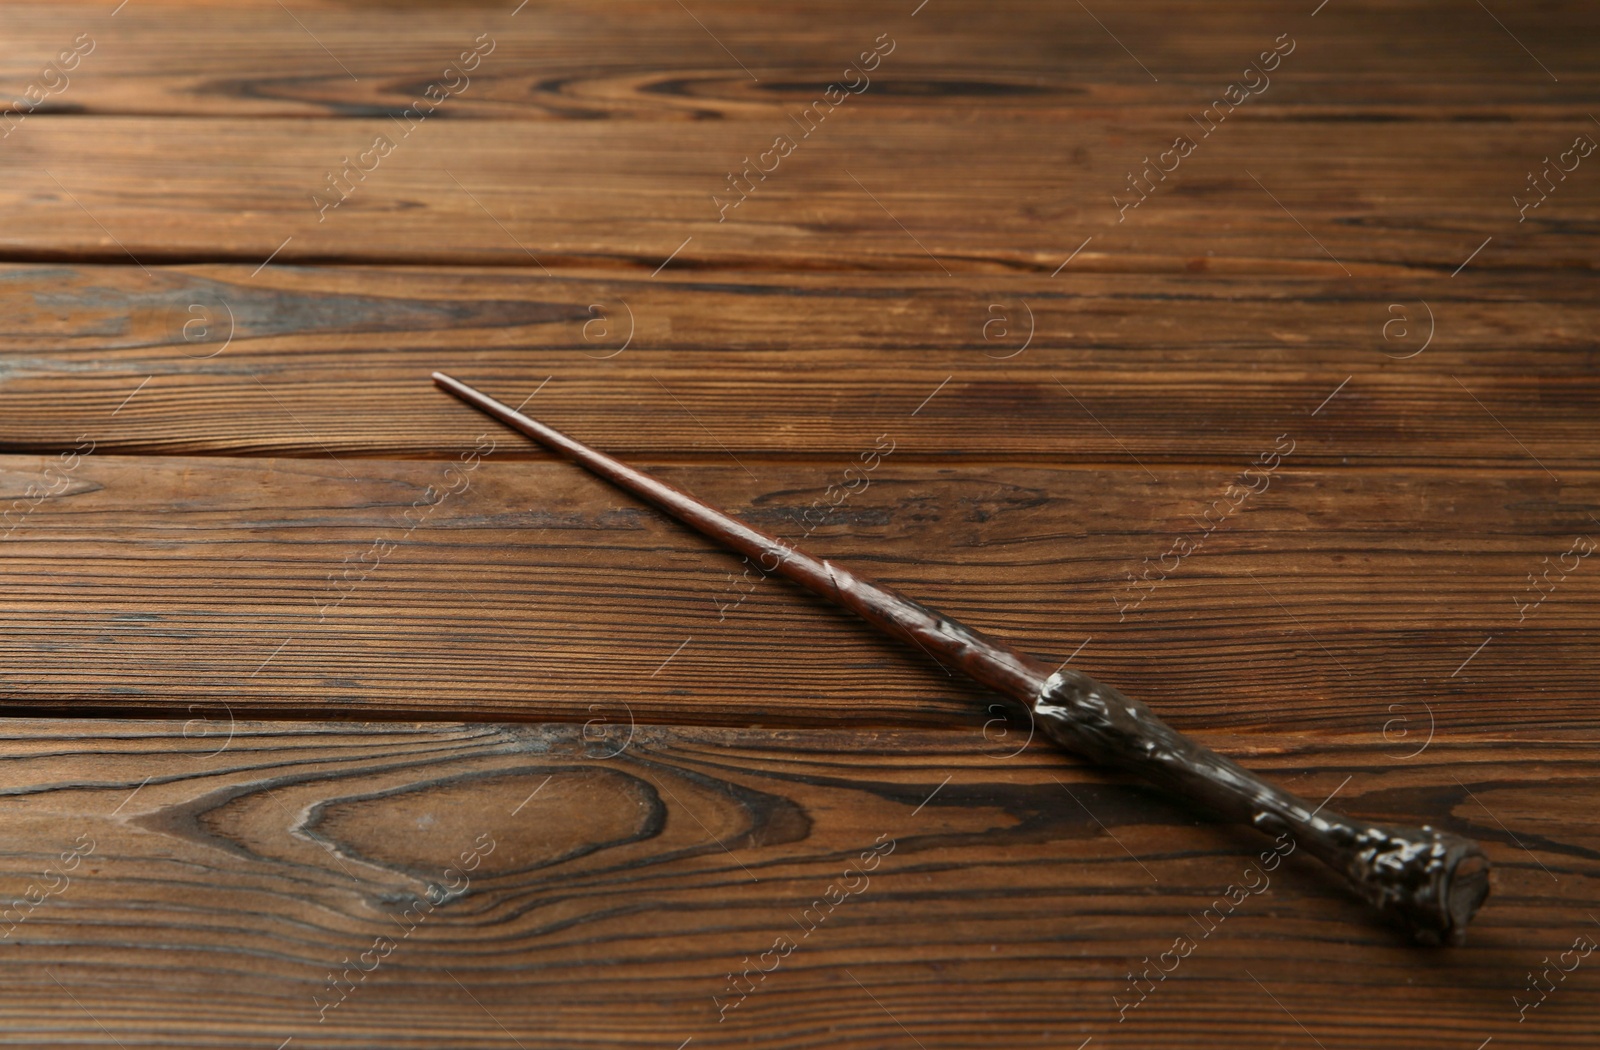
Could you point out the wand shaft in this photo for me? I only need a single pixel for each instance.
(987, 660)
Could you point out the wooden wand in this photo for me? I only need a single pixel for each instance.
(1428, 882)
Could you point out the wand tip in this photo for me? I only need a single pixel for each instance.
(455, 387)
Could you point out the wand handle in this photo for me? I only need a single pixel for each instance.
(1429, 882)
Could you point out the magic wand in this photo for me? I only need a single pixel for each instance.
(1428, 882)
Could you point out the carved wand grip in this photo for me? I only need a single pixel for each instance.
(1426, 881)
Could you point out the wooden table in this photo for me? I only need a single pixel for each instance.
(1243, 355)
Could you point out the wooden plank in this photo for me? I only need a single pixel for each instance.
(1363, 601)
(1479, 370)
(612, 891)
(917, 195)
(653, 61)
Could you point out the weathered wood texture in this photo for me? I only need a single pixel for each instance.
(978, 144)
(228, 492)
(533, 591)
(1096, 368)
(620, 880)
(1026, 61)
(990, 197)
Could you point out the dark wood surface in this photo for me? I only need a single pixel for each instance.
(283, 639)
(234, 864)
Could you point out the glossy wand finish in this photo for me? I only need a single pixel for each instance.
(1429, 882)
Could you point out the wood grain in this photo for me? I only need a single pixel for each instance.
(1490, 371)
(1338, 599)
(914, 195)
(650, 60)
(233, 866)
